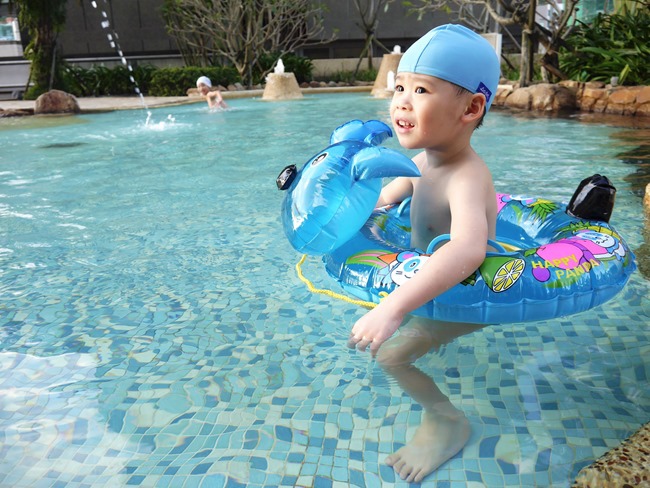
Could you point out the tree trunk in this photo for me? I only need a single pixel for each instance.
(528, 47)
(370, 51)
(42, 59)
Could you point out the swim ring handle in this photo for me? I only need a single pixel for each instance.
(446, 237)
(402, 206)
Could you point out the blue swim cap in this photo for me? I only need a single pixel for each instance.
(456, 54)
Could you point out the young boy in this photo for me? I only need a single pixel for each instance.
(445, 84)
(213, 97)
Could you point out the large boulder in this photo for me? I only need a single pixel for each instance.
(56, 102)
(543, 97)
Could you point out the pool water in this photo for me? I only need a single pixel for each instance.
(153, 331)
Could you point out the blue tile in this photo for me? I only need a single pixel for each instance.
(507, 468)
(296, 457)
(289, 480)
(201, 468)
(487, 447)
(543, 460)
(322, 482)
(231, 483)
(473, 476)
(356, 478)
(283, 433)
(387, 473)
(135, 480)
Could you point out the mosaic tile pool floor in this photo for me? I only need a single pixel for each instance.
(309, 413)
(145, 342)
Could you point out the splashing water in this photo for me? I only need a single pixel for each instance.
(113, 40)
(160, 126)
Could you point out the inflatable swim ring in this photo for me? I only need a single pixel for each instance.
(331, 197)
(550, 264)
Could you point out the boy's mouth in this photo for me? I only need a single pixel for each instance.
(404, 124)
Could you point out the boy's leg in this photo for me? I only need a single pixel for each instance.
(444, 429)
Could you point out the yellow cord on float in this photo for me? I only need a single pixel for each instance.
(330, 293)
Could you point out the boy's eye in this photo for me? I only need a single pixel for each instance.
(419, 89)
(399, 88)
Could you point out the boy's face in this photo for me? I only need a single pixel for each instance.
(425, 111)
(203, 89)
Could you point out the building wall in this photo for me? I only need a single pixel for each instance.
(142, 32)
(138, 24)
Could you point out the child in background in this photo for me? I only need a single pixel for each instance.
(213, 97)
(445, 84)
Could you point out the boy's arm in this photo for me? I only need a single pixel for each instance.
(214, 98)
(447, 266)
(395, 191)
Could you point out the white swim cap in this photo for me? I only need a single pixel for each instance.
(204, 80)
(458, 55)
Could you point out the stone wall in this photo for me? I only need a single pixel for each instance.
(572, 95)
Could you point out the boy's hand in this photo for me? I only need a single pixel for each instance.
(373, 329)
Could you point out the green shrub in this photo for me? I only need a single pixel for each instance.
(100, 80)
(513, 74)
(174, 82)
(300, 66)
(612, 45)
(349, 76)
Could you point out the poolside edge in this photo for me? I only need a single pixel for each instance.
(625, 465)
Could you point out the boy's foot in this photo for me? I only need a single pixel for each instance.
(436, 440)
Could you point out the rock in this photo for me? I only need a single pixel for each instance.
(643, 96)
(56, 102)
(595, 84)
(543, 97)
(519, 99)
(16, 112)
(592, 99)
(643, 110)
(503, 92)
(622, 101)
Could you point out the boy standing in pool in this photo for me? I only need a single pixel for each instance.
(213, 97)
(445, 84)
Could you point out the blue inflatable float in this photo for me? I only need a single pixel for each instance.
(549, 262)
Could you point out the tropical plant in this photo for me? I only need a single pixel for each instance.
(613, 45)
(43, 19)
(522, 14)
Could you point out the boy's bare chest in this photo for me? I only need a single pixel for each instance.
(430, 214)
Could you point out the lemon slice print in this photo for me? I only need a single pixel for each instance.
(507, 275)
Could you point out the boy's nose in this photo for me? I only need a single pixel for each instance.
(401, 101)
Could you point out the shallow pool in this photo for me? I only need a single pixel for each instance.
(153, 331)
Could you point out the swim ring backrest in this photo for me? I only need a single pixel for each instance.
(335, 192)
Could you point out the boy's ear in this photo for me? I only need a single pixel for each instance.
(475, 108)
